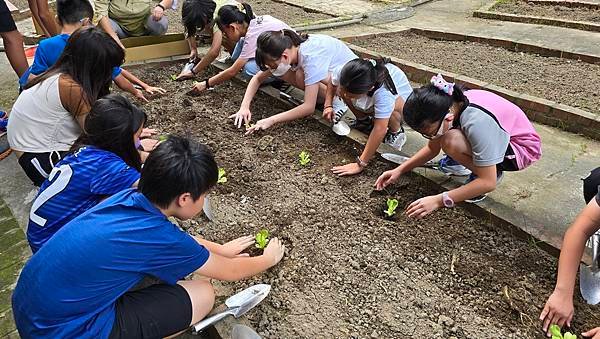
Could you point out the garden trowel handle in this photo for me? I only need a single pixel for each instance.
(199, 326)
(595, 250)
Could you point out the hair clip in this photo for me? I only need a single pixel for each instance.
(373, 62)
(441, 84)
(241, 8)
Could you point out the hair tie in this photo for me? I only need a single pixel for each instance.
(373, 62)
(441, 84)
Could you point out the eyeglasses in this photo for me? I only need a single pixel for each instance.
(438, 130)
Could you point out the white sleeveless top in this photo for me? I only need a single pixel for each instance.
(38, 121)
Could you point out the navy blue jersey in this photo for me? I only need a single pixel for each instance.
(77, 183)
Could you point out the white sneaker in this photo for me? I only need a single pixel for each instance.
(396, 140)
(339, 109)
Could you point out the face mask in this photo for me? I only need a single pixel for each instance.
(363, 103)
(281, 69)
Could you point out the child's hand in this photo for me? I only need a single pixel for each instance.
(155, 90)
(147, 132)
(198, 88)
(243, 115)
(140, 96)
(348, 169)
(387, 178)
(185, 75)
(328, 113)
(421, 207)
(260, 125)
(593, 333)
(558, 310)
(148, 144)
(274, 251)
(234, 247)
(157, 13)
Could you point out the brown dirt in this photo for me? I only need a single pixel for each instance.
(555, 79)
(522, 7)
(289, 14)
(20, 4)
(348, 272)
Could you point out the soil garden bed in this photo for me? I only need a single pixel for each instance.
(550, 78)
(289, 14)
(348, 272)
(562, 12)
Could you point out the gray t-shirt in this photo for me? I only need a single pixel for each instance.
(488, 140)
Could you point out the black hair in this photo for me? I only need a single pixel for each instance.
(89, 59)
(196, 15)
(429, 104)
(271, 44)
(177, 166)
(72, 11)
(361, 76)
(230, 14)
(111, 126)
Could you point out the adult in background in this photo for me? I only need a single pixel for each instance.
(125, 18)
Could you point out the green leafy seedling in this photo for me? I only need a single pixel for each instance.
(304, 158)
(262, 239)
(221, 178)
(556, 333)
(173, 77)
(163, 138)
(392, 204)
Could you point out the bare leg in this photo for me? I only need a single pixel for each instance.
(46, 18)
(202, 296)
(395, 121)
(13, 43)
(455, 144)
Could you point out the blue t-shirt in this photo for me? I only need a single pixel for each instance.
(69, 287)
(46, 55)
(78, 182)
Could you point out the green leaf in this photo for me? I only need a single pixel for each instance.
(163, 138)
(262, 239)
(555, 331)
(173, 77)
(569, 335)
(392, 204)
(304, 158)
(221, 179)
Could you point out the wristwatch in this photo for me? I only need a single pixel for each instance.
(448, 202)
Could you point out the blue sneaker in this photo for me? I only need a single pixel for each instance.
(499, 177)
(449, 166)
(3, 121)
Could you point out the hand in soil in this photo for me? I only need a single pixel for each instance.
(328, 114)
(155, 90)
(558, 310)
(243, 115)
(260, 125)
(348, 169)
(594, 333)
(147, 132)
(184, 75)
(421, 207)
(274, 251)
(236, 246)
(387, 178)
(140, 96)
(198, 88)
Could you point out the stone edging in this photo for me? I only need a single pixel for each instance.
(485, 12)
(537, 109)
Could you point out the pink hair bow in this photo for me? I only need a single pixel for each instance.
(441, 84)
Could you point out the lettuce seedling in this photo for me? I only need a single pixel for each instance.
(262, 239)
(163, 138)
(392, 204)
(221, 178)
(556, 334)
(173, 77)
(304, 158)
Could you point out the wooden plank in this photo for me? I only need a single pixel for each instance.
(11, 7)
(140, 41)
(156, 51)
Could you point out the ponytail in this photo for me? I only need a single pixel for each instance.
(271, 44)
(365, 76)
(196, 14)
(431, 102)
(234, 14)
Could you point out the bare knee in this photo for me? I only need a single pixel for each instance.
(202, 296)
(455, 142)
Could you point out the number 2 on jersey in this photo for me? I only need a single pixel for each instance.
(64, 176)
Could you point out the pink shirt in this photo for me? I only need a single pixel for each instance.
(525, 141)
(258, 25)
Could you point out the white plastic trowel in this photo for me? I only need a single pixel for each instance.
(237, 305)
(207, 209)
(589, 276)
(400, 159)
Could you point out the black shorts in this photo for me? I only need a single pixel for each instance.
(7, 24)
(38, 166)
(509, 164)
(591, 185)
(152, 312)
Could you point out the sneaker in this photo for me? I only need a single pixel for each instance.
(364, 125)
(449, 166)
(3, 121)
(339, 109)
(396, 140)
(499, 177)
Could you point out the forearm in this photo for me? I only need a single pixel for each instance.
(125, 84)
(105, 25)
(297, 112)
(212, 247)
(167, 3)
(329, 94)
(425, 154)
(233, 269)
(375, 139)
(206, 60)
(475, 188)
(133, 79)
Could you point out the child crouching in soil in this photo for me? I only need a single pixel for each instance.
(78, 284)
(559, 307)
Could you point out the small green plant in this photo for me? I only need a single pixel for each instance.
(262, 239)
(392, 204)
(173, 77)
(221, 178)
(163, 138)
(556, 334)
(304, 158)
